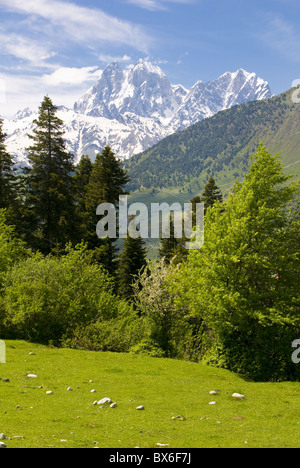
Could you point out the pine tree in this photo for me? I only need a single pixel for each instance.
(8, 197)
(172, 247)
(132, 260)
(211, 194)
(50, 204)
(107, 182)
(81, 179)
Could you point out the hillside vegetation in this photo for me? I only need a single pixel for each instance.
(220, 146)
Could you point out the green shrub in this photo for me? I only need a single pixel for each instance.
(48, 297)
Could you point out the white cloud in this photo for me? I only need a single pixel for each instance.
(72, 76)
(156, 5)
(82, 24)
(106, 58)
(26, 49)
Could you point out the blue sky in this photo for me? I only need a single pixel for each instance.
(60, 47)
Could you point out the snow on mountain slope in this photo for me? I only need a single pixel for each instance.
(131, 110)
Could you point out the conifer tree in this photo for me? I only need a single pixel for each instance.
(82, 177)
(107, 182)
(171, 246)
(50, 204)
(211, 194)
(8, 197)
(132, 260)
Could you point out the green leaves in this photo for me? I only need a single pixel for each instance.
(246, 277)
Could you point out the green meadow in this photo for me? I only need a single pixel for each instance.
(175, 395)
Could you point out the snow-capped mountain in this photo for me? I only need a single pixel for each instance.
(131, 110)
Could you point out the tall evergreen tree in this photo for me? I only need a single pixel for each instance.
(171, 247)
(132, 259)
(82, 178)
(211, 194)
(8, 197)
(50, 203)
(107, 182)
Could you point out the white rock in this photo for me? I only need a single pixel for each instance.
(2, 436)
(32, 376)
(113, 405)
(213, 392)
(212, 403)
(140, 408)
(238, 396)
(69, 389)
(93, 391)
(95, 403)
(49, 392)
(104, 401)
(2, 445)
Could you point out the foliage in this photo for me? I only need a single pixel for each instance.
(106, 184)
(8, 194)
(48, 297)
(131, 261)
(166, 324)
(50, 206)
(244, 282)
(12, 250)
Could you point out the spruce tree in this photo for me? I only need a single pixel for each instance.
(82, 177)
(8, 197)
(132, 260)
(211, 194)
(107, 182)
(50, 203)
(172, 247)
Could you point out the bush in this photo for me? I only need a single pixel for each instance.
(166, 324)
(119, 334)
(46, 298)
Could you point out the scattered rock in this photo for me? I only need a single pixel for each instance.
(69, 389)
(113, 405)
(162, 445)
(49, 392)
(32, 376)
(5, 380)
(2, 436)
(2, 445)
(31, 354)
(93, 391)
(179, 417)
(212, 403)
(140, 408)
(239, 396)
(213, 392)
(104, 401)
(95, 403)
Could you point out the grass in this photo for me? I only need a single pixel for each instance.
(269, 417)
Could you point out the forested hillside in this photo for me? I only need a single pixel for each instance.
(220, 146)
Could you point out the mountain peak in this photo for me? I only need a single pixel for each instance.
(133, 109)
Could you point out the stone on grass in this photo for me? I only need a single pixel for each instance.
(2, 436)
(239, 396)
(69, 389)
(49, 392)
(2, 445)
(140, 408)
(5, 380)
(113, 405)
(104, 401)
(32, 376)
